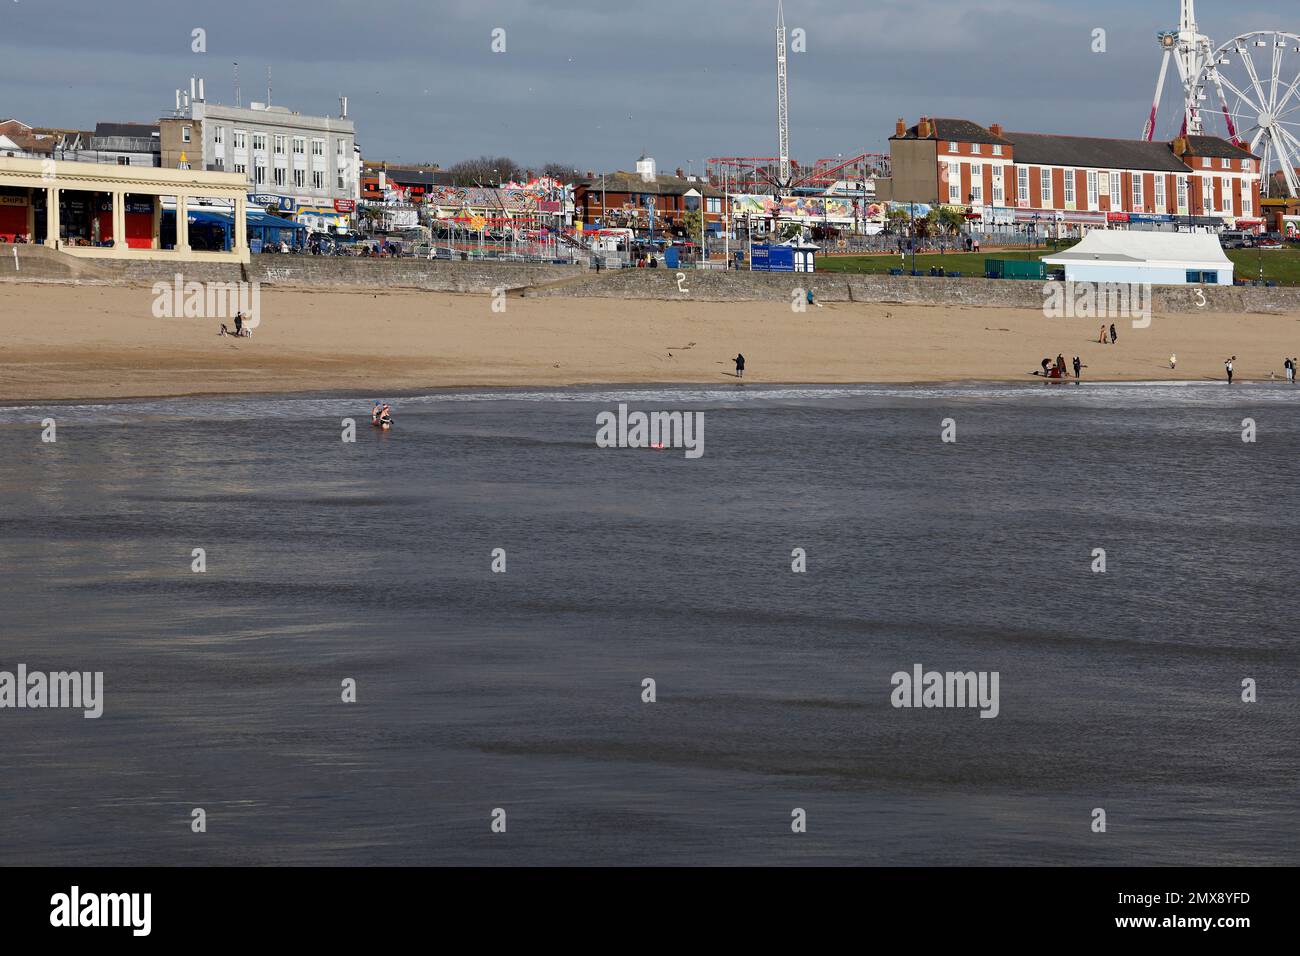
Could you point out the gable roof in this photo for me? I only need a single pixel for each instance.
(1215, 147)
(624, 182)
(1049, 149)
(957, 131)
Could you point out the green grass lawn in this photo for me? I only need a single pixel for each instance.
(1281, 265)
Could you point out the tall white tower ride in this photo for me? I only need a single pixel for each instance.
(782, 109)
(1192, 53)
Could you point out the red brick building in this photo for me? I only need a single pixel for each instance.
(1003, 177)
(625, 200)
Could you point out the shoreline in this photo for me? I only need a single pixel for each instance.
(65, 343)
(631, 387)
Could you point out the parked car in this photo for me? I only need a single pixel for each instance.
(1235, 239)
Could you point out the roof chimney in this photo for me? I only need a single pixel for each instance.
(900, 128)
(996, 129)
(923, 128)
(1180, 146)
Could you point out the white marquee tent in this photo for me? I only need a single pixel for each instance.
(1158, 258)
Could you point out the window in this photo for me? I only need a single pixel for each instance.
(977, 183)
(279, 144)
(954, 183)
(241, 139)
(1207, 193)
(1182, 192)
(1139, 201)
(318, 147)
(299, 145)
(240, 168)
(1045, 186)
(1226, 184)
(1225, 163)
(299, 178)
(185, 134)
(715, 204)
(259, 175)
(1069, 185)
(342, 186)
(952, 147)
(1247, 165)
(1207, 163)
(999, 194)
(1195, 277)
(1247, 203)
(1160, 194)
(1022, 183)
(974, 149)
(997, 150)
(318, 180)
(259, 142)
(339, 144)
(218, 135)
(124, 160)
(1092, 189)
(279, 175)
(1116, 191)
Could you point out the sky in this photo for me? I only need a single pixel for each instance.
(594, 84)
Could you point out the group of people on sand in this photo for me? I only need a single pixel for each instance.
(1101, 337)
(1289, 368)
(1059, 369)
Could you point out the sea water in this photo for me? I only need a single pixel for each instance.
(524, 689)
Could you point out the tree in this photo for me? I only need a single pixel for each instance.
(484, 171)
(561, 172)
(692, 222)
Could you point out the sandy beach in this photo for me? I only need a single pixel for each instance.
(84, 342)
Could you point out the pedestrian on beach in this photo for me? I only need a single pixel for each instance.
(1101, 336)
(740, 365)
(1113, 334)
(1173, 360)
(1228, 367)
(1060, 363)
(1077, 366)
(1289, 365)
(239, 323)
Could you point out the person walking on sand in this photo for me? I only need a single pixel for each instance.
(1173, 360)
(1228, 366)
(1078, 364)
(1290, 371)
(740, 365)
(1101, 336)
(1113, 334)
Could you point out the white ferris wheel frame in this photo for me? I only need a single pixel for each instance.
(1258, 115)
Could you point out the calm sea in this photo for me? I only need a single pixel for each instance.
(522, 690)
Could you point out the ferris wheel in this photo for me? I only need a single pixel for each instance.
(1256, 78)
